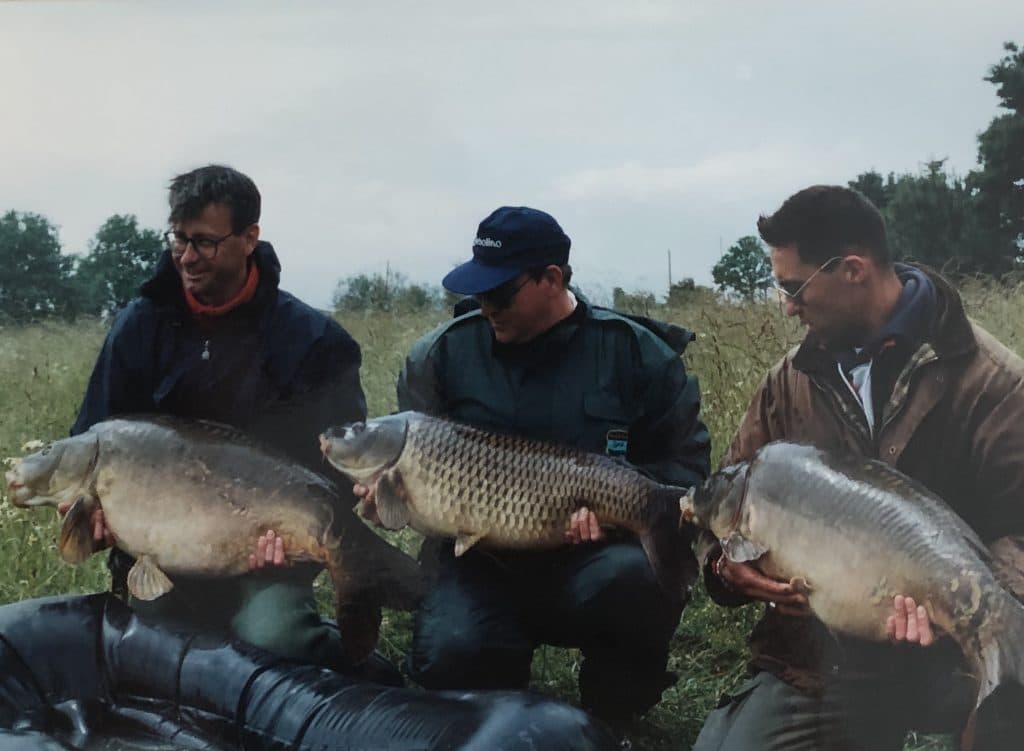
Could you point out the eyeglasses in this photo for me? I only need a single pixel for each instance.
(785, 290)
(501, 298)
(205, 246)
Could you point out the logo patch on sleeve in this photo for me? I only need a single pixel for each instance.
(616, 442)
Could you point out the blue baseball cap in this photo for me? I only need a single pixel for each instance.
(513, 239)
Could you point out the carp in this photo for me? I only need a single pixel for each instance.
(853, 533)
(448, 479)
(190, 497)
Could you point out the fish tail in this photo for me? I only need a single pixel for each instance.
(669, 545)
(1000, 669)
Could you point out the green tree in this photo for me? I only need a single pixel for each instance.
(121, 257)
(999, 181)
(744, 268)
(34, 275)
(875, 188)
(390, 291)
(933, 217)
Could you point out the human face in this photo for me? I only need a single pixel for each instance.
(821, 296)
(519, 312)
(214, 279)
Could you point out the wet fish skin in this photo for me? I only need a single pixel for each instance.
(191, 498)
(858, 532)
(448, 479)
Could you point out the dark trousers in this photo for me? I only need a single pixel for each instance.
(869, 713)
(487, 612)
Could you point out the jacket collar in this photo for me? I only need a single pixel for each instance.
(164, 287)
(950, 334)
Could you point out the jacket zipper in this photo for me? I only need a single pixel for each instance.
(206, 349)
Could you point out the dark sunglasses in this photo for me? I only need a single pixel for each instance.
(502, 297)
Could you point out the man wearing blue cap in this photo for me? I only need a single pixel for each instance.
(536, 360)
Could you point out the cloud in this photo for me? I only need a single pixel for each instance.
(727, 171)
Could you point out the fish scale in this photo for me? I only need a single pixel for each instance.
(190, 498)
(859, 533)
(449, 479)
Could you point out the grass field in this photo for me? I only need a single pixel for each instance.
(44, 369)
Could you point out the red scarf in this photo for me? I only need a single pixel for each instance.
(244, 295)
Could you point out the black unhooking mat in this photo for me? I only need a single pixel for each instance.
(83, 672)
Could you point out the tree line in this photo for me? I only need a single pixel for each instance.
(963, 225)
(972, 225)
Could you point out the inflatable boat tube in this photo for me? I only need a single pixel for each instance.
(78, 671)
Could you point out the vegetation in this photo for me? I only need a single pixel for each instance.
(44, 368)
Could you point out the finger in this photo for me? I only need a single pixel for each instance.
(261, 551)
(910, 608)
(269, 548)
(253, 561)
(62, 507)
(900, 615)
(924, 625)
(797, 611)
(595, 528)
(359, 490)
(279, 551)
(890, 627)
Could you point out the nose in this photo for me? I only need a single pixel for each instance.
(792, 306)
(190, 254)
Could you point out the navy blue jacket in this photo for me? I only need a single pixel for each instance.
(274, 366)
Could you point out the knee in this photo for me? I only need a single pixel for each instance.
(620, 580)
(443, 658)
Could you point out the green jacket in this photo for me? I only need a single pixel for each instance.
(598, 381)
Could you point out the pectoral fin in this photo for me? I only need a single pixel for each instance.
(738, 548)
(75, 543)
(146, 581)
(392, 503)
(465, 540)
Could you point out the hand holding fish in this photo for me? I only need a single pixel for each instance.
(746, 580)
(269, 551)
(367, 502)
(101, 535)
(909, 622)
(584, 527)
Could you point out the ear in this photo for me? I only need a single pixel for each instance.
(553, 274)
(857, 268)
(251, 237)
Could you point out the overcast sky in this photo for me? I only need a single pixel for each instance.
(384, 134)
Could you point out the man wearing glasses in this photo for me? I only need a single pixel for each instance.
(537, 360)
(212, 336)
(891, 368)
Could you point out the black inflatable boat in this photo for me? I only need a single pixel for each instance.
(84, 672)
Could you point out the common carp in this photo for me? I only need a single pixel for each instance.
(448, 479)
(191, 498)
(852, 533)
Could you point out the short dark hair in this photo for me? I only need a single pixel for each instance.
(538, 273)
(823, 221)
(192, 192)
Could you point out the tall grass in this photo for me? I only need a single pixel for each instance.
(44, 369)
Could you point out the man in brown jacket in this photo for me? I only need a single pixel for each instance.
(890, 368)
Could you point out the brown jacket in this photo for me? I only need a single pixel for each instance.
(954, 421)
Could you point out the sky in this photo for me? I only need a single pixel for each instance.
(380, 134)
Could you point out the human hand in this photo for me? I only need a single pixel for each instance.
(367, 506)
(101, 534)
(909, 622)
(269, 551)
(749, 582)
(584, 527)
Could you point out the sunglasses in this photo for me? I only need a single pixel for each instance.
(791, 291)
(502, 297)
